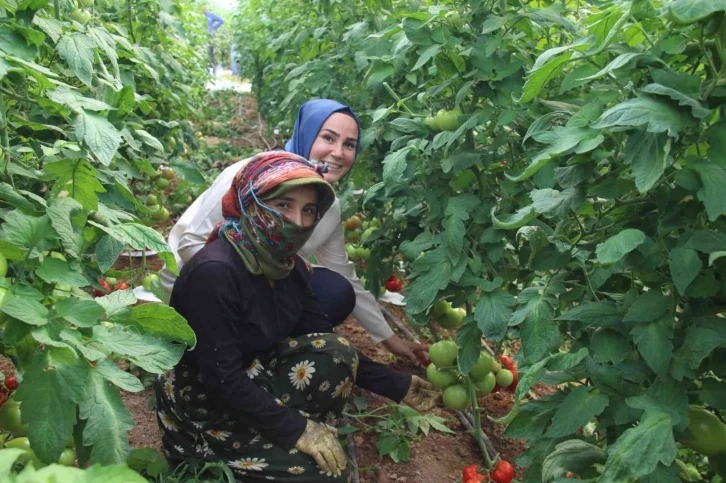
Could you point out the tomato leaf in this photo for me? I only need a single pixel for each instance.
(616, 247)
(77, 50)
(52, 386)
(107, 422)
(493, 312)
(162, 321)
(144, 350)
(578, 408)
(653, 340)
(29, 231)
(712, 195)
(571, 456)
(82, 313)
(685, 266)
(53, 270)
(648, 154)
(667, 396)
(638, 450)
(117, 376)
(25, 309)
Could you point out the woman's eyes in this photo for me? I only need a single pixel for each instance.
(350, 145)
(310, 210)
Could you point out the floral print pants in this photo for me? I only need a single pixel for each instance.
(313, 374)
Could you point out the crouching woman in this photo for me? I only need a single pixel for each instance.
(267, 382)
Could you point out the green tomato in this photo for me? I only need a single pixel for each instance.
(168, 174)
(448, 120)
(150, 281)
(381, 291)
(67, 457)
(482, 368)
(364, 253)
(10, 419)
(505, 377)
(496, 366)
(3, 265)
(152, 199)
(441, 379)
(486, 384)
(443, 353)
(162, 183)
(162, 214)
(432, 123)
(366, 234)
(80, 15)
(24, 443)
(453, 318)
(708, 433)
(440, 308)
(352, 252)
(375, 223)
(456, 397)
(111, 281)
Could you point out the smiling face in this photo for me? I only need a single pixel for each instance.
(336, 145)
(299, 205)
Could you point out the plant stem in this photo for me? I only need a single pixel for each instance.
(56, 9)
(478, 435)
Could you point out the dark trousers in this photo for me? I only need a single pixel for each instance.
(335, 293)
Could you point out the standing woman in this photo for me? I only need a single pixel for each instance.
(325, 131)
(268, 378)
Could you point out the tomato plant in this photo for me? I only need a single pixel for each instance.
(93, 97)
(577, 206)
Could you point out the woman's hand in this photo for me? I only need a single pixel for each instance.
(322, 444)
(417, 353)
(421, 395)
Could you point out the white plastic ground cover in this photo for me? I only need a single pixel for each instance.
(143, 294)
(393, 298)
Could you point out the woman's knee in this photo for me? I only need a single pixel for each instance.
(335, 293)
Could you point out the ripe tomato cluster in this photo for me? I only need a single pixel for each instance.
(109, 284)
(11, 384)
(503, 473)
(509, 366)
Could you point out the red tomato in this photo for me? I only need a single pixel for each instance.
(478, 479)
(122, 286)
(470, 472)
(11, 383)
(393, 284)
(507, 362)
(503, 472)
(104, 285)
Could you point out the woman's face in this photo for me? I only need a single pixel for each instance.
(336, 144)
(299, 204)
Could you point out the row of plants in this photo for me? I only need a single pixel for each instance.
(554, 168)
(96, 104)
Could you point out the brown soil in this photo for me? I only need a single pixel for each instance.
(439, 457)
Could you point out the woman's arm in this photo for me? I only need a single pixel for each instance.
(209, 298)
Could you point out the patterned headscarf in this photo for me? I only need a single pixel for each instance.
(266, 239)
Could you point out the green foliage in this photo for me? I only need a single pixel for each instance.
(86, 110)
(591, 148)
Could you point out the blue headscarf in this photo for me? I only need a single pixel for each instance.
(310, 118)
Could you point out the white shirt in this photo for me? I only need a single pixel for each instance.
(327, 243)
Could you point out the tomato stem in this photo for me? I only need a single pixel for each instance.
(478, 435)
